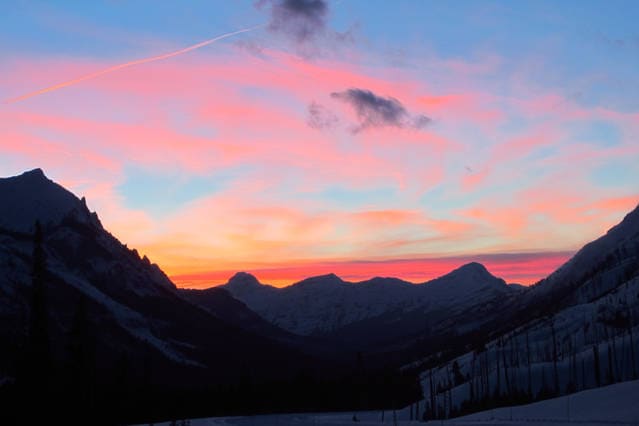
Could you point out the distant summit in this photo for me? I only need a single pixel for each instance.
(471, 274)
(475, 267)
(244, 285)
(321, 280)
(243, 279)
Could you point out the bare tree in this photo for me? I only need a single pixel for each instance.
(554, 357)
(632, 346)
(595, 355)
(529, 367)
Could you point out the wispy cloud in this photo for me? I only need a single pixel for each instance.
(127, 65)
(320, 117)
(292, 192)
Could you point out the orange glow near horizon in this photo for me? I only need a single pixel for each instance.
(520, 268)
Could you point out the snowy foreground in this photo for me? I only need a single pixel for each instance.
(307, 419)
(615, 404)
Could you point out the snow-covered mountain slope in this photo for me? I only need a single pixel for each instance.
(615, 252)
(325, 304)
(580, 347)
(575, 330)
(132, 304)
(317, 305)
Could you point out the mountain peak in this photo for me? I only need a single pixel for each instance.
(472, 271)
(243, 279)
(320, 280)
(32, 197)
(36, 173)
(473, 267)
(330, 276)
(468, 277)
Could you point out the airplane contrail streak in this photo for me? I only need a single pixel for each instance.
(128, 64)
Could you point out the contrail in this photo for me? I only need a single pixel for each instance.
(128, 64)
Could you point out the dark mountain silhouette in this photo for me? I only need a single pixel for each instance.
(222, 305)
(144, 331)
(134, 296)
(83, 318)
(31, 197)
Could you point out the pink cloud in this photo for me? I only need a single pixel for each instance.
(234, 111)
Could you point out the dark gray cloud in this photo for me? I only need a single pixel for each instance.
(377, 111)
(302, 20)
(320, 117)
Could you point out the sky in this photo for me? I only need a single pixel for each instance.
(360, 137)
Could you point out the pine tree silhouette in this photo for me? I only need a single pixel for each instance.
(34, 376)
(597, 368)
(38, 321)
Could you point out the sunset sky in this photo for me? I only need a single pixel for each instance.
(364, 138)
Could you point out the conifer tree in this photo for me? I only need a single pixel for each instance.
(35, 374)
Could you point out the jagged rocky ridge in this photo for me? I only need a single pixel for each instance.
(133, 309)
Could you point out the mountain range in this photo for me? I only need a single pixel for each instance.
(319, 342)
(326, 304)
